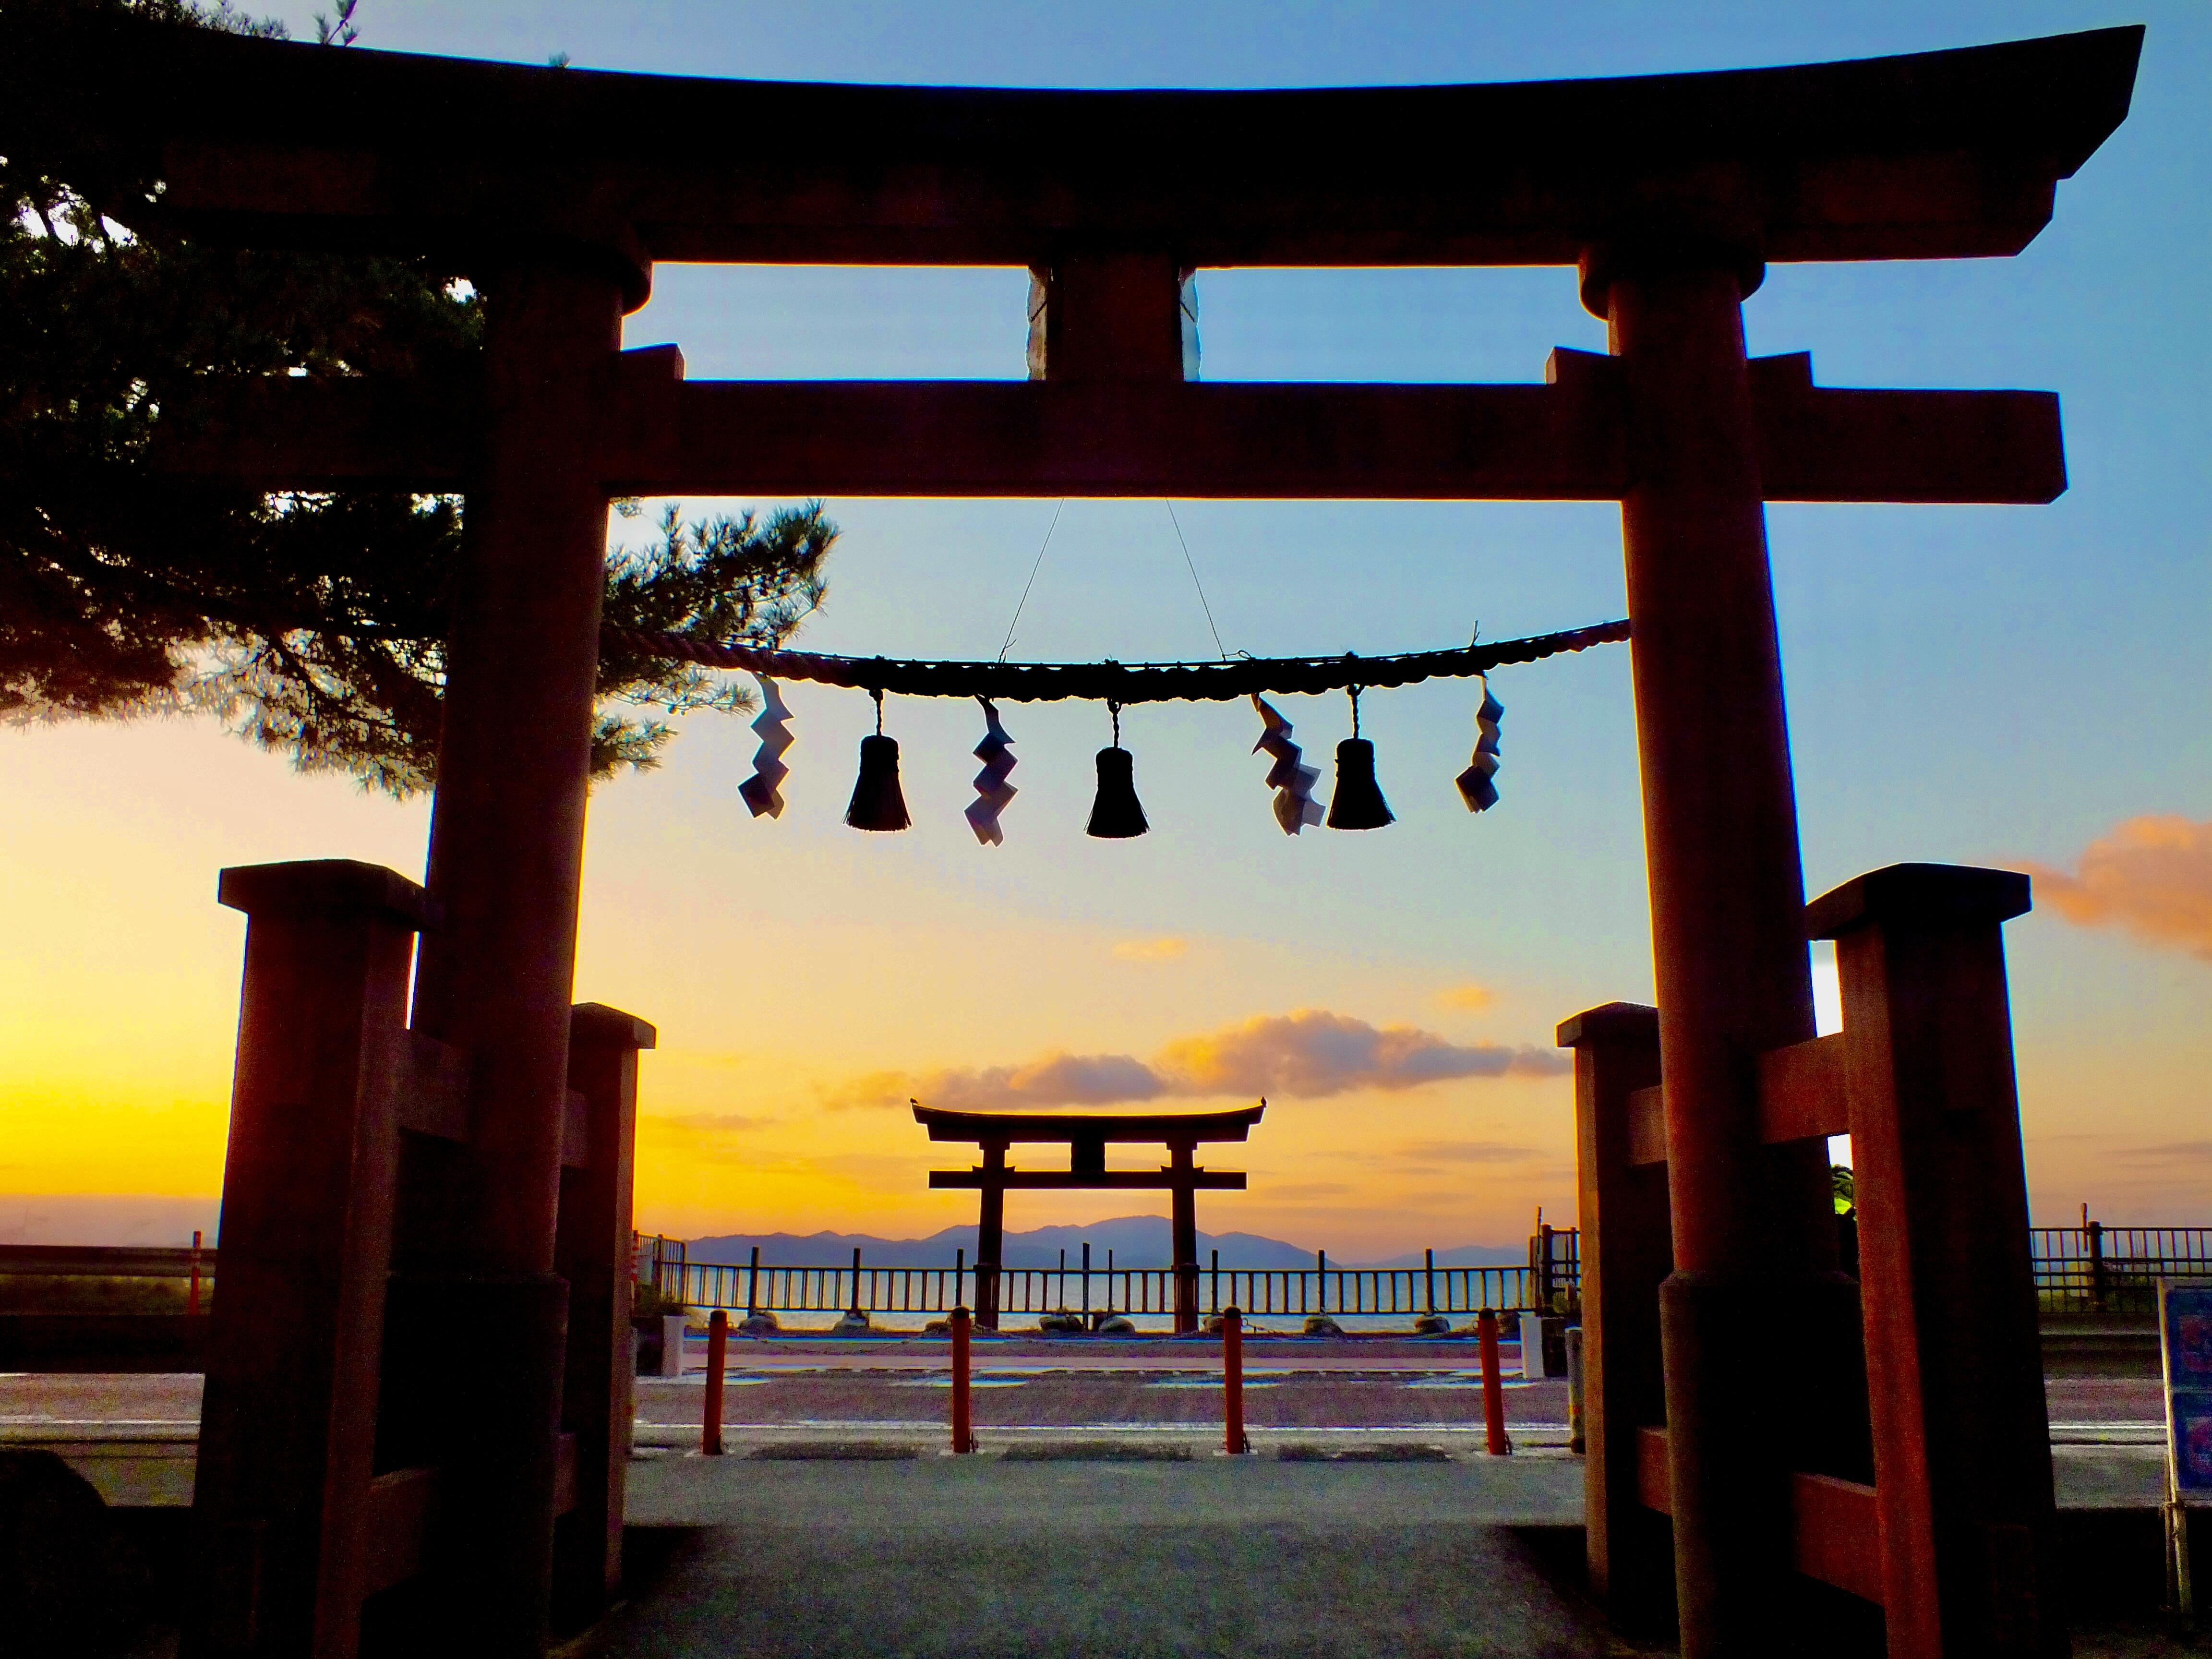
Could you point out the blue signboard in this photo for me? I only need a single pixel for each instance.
(2185, 1330)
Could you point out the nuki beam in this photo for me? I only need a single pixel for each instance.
(1565, 440)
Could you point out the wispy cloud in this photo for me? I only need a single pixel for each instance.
(2173, 1152)
(700, 1138)
(1313, 1054)
(711, 1122)
(1166, 948)
(1310, 1054)
(2151, 876)
(1471, 1151)
(1468, 998)
(1289, 1192)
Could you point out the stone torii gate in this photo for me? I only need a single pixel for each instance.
(557, 191)
(1086, 1138)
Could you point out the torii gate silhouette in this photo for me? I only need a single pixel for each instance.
(1086, 1137)
(441, 1138)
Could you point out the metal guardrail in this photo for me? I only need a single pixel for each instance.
(104, 1261)
(1095, 1291)
(2092, 1269)
(2096, 1269)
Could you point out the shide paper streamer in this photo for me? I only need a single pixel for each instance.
(762, 792)
(1292, 780)
(993, 792)
(1475, 787)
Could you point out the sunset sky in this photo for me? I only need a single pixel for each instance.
(2020, 686)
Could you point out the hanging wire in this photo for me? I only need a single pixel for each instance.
(1032, 582)
(1114, 709)
(877, 692)
(1355, 690)
(1195, 581)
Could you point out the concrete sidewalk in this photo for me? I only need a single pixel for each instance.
(944, 1556)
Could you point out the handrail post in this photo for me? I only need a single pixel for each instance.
(1494, 1388)
(192, 1296)
(2099, 1292)
(1429, 1269)
(752, 1284)
(1234, 1440)
(963, 1431)
(718, 1349)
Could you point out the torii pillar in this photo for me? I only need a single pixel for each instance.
(1750, 1222)
(506, 862)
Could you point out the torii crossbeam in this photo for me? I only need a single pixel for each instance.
(1086, 1138)
(555, 190)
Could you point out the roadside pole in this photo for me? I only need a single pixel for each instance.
(718, 1348)
(1234, 1441)
(964, 1432)
(1493, 1388)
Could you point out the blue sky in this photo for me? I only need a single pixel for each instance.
(1977, 685)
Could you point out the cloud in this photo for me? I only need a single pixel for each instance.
(1166, 948)
(2173, 1152)
(1468, 998)
(1313, 1054)
(875, 1172)
(1470, 1151)
(712, 1122)
(1310, 1054)
(702, 1138)
(2151, 876)
(1056, 1080)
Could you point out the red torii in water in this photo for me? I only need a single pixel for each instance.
(1085, 1139)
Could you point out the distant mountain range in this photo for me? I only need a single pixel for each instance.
(1137, 1241)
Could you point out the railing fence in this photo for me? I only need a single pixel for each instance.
(2096, 1269)
(1550, 1281)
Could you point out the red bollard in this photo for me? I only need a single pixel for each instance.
(1232, 1383)
(964, 1432)
(1493, 1390)
(718, 1349)
(192, 1298)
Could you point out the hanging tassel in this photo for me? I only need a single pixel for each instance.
(1357, 803)
(1289, 777)
(876, 803)
(1476, 785)
(1117, 814)
(763, 791)
(993, 792)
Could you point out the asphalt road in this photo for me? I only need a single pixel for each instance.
(1045, 1390)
